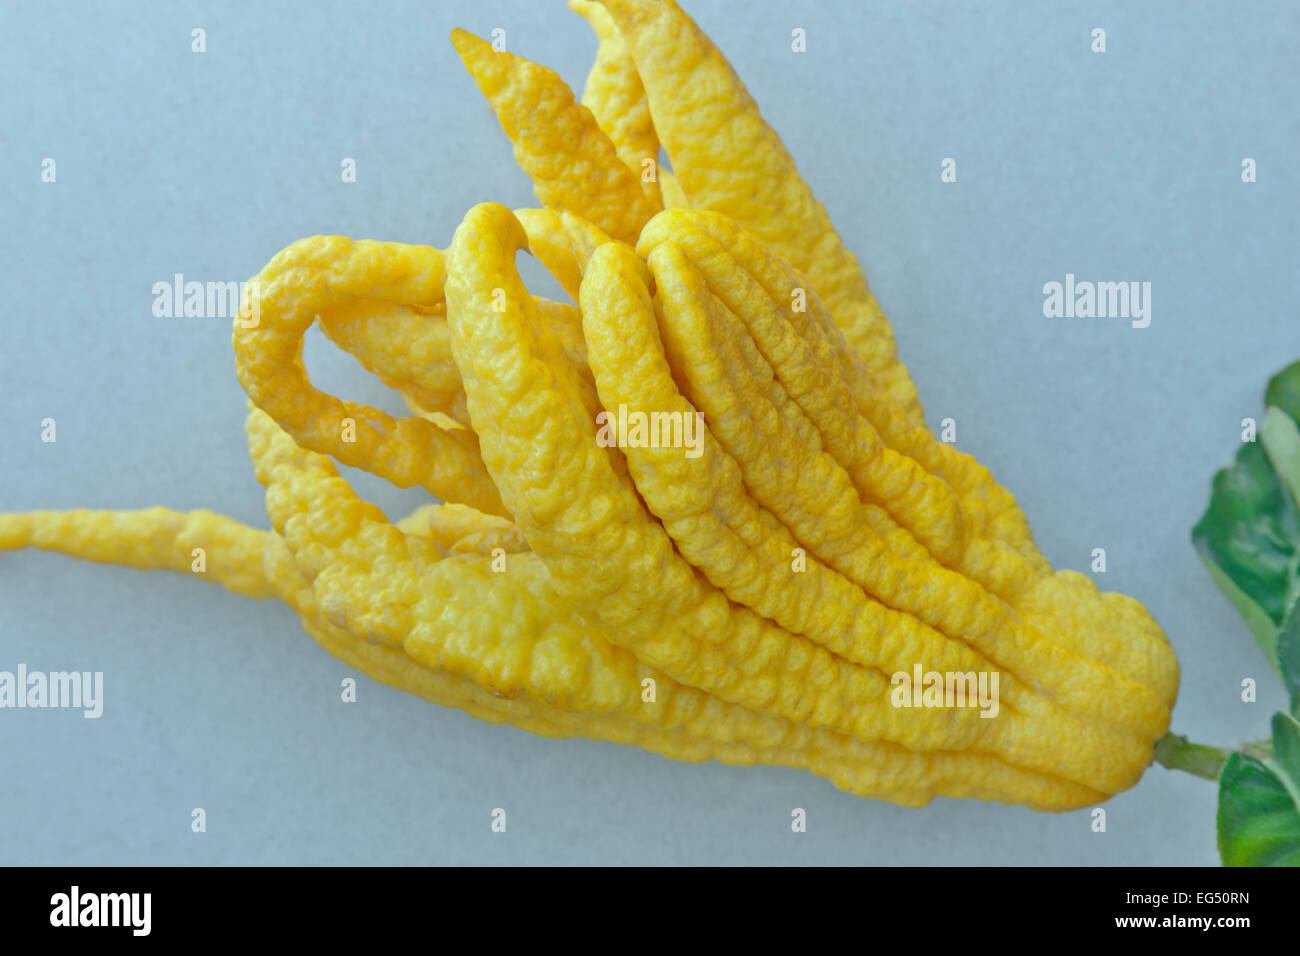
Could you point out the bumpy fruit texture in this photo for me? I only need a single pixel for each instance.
(750, 602)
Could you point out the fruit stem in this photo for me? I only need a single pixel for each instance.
(1174, 752)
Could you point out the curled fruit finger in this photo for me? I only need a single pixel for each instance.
(328, 272)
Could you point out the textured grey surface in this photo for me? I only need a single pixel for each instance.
(1124, 165)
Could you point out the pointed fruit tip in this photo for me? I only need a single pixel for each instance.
(463, 41)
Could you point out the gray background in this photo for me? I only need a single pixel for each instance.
(1117, 166)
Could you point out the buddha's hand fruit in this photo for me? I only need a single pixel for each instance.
(750, 581)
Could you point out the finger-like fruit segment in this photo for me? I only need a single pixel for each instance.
(573, 164)
(728, 159)
(329, 272)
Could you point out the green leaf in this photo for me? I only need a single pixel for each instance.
(1281, 439)
(1285, 760)
(1288, 656)
(1284, 391)
(1250, 535)
(1256, 618)
(1259, 803)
